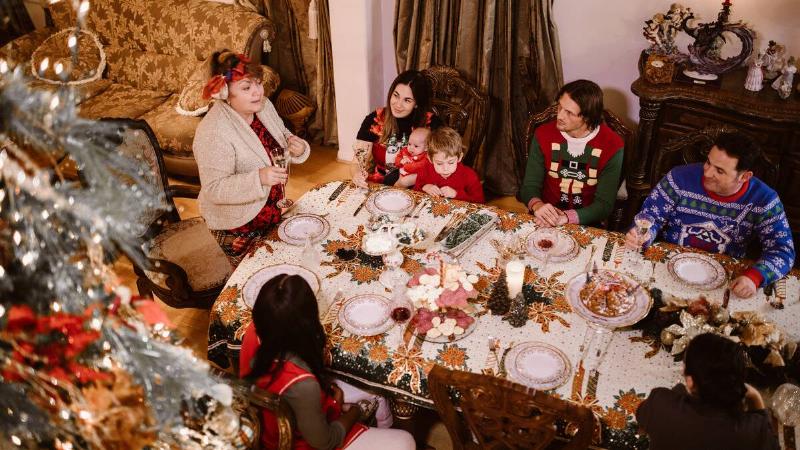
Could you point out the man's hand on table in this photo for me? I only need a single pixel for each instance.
(433, 190)
(633, 241)
(547, 215)
(743, 287)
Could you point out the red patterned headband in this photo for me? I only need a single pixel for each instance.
(217, 86)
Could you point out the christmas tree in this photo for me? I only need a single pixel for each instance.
(80, 366)
(498, 301)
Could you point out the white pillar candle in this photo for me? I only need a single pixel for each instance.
(515, 274)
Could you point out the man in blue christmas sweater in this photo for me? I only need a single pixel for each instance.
(719, 207)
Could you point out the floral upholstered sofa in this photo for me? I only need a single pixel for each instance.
(139, 58)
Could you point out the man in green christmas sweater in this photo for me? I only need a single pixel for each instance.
(574, 162)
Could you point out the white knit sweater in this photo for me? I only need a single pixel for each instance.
(229, 155)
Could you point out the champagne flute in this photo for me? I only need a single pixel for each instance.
(643, 222)
(280, 159)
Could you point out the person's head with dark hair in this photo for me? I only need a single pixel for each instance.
(714, 367)
(580, 107)
(235, 79)
(730, 163)
(286, 319)
(409, 96)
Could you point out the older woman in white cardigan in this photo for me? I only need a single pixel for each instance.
(239, 185)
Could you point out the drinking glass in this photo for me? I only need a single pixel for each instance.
(642, 223)
(786, 404)
(280, 159)
(402, 309)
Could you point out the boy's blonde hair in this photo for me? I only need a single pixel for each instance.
(445, 140)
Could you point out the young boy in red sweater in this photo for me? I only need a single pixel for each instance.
(445, 176)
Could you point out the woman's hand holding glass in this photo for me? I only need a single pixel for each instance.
(272, 175)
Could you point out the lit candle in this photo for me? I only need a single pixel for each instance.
(515, 273)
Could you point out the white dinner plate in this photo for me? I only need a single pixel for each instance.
(366, 315)
(296, 229)
(698, 270)
(564, 248)
(253, 284)
(633, 314)
(395, 202)
(538, 365)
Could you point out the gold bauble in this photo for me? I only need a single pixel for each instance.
(667, 338)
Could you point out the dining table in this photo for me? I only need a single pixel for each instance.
(610, 371)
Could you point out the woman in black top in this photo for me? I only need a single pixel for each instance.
(715, 409)
(386, 130)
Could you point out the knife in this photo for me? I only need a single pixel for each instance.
(337, 191)
(358, 210)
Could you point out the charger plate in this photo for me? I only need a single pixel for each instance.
(538, 365)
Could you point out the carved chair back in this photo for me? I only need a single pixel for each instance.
(262, 399)
(499, 414)
(694, 146)
(612, 120)
(461, 106)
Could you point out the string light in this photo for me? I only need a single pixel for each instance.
(72, 42)
(3, 66)
(44, 65)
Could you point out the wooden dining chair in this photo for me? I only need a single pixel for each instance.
(499, 414)
(261, 399)
(615, 220)
(181, 263)
(258, 399)
(461, 106)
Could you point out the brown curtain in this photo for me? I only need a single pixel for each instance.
(14, 20)
(509, 48)
(305, 65)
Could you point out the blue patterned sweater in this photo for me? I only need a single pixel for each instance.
(686, 215)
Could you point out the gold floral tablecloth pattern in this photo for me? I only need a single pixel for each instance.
(397, 362)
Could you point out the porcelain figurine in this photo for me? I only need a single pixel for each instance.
(755, 77)
(774, 60)
(783, 84)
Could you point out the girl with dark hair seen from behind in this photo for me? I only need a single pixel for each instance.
(240, 146)
(385, 131)
(714, 409)
(283, 352)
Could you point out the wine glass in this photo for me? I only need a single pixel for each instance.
(358, 167)
(280, 159)
(401, 306)
(642, 224)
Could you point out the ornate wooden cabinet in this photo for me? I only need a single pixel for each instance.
(671, 111)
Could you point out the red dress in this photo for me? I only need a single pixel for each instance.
(290, 374)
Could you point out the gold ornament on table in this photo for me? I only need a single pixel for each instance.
(659, 69)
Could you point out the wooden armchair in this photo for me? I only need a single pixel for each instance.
(615, 221)
(461, 106)
(500, 414)
(185, 265)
